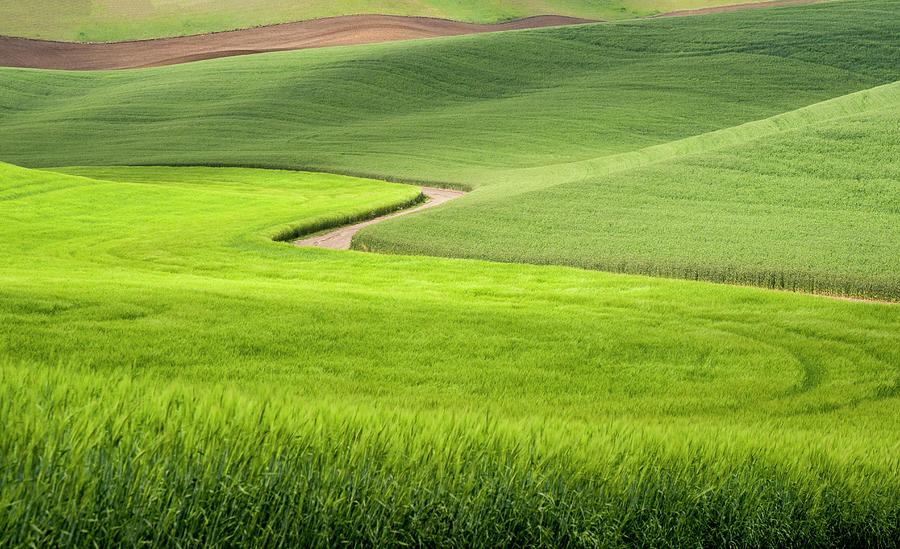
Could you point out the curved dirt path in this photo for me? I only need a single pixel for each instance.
(314, 33)
(340, 239)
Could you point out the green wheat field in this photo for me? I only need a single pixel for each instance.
(627, 334)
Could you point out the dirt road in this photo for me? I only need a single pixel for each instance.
(340, 238)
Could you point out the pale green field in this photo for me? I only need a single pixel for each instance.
(108, 20)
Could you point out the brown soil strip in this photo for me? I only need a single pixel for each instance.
(314, 33)
(340, 239)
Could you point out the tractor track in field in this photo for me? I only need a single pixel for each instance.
(340, 239)
(313, 33)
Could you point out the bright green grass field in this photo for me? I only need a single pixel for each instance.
(114, 20)
(171, 374)
(534, 119)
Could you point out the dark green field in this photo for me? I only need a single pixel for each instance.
(172, 373)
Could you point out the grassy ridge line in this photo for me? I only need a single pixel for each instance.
(340, 219)
(110, 455)
(886, 96)
(283, 233)
(282, 203)
(332, 221)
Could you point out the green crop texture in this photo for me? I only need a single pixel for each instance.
(534, 119)
(174, 373)
(114, 20)
(473, 106)
(171, 374)
(814, 208)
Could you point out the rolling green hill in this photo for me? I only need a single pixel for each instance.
(168, 374)
(108, 20)
(472, 105)
(551, 111)
(810, 201)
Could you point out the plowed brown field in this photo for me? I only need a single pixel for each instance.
(315, 33)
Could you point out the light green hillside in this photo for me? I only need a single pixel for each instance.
(116, 20)
(162, 358)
